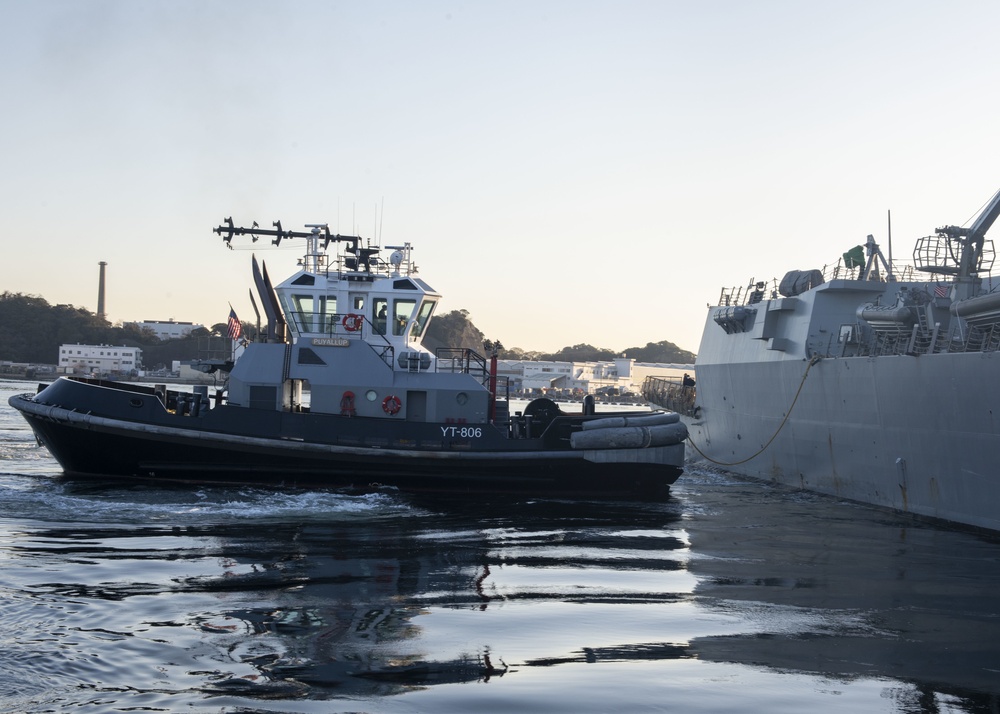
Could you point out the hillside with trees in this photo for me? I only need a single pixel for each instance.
(456, 329)
(31, 331)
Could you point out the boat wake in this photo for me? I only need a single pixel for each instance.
(49, 499)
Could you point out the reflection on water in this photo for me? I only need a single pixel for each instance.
(727, 595)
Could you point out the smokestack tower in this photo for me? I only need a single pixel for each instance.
(100, 293)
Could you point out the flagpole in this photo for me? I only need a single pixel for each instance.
(232, 342)
(233, 330)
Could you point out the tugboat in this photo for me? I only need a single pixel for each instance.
(339, 391)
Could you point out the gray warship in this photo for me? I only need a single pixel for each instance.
(867, 381)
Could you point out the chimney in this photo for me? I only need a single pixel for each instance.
(100, 293)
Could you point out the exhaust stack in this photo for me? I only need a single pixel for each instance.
(100, 292)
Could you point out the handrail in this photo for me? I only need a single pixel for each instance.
(463, 360)
(669, 393)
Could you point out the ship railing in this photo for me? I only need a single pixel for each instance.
(383, 349)
(979, 338)
(921, 343)
(890, 342)
(326, 324)
(901, 272)
(669, 393)
(501, 414)
(462, 360)
(916, 340)
(342, 266)
(352, 325)
(754, 292)
(983, 338)
(344, 325)
(759, 290)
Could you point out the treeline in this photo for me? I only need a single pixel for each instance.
(31, 331)
(455, 329)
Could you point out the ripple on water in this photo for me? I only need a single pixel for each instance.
(46, 498)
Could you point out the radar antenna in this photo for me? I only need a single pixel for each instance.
(317, 232)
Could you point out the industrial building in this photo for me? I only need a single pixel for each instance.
(99, 359)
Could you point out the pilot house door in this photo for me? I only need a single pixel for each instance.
(356, 307)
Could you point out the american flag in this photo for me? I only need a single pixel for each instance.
(235, 328)
(941, 290)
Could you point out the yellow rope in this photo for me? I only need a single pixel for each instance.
(781, 426)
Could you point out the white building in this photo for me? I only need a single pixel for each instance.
(167, 329)
(624, 375)
(100, 359)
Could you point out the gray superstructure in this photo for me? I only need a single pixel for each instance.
(869, 383)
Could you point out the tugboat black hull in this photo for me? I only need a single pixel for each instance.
(192, 449)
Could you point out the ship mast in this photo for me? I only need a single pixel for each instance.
(314, 257)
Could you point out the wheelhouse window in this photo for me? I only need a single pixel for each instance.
(401, 312)
(310, 313)
(380, 315)
(302, 313)
(423, 315)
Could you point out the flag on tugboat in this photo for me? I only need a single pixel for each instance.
(235, 329)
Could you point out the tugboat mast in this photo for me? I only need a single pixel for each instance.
(315, 257)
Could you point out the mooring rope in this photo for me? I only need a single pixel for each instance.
(788, 413)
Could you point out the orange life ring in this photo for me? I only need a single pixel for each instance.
(392, 404)
(347, 404)
(352, 322)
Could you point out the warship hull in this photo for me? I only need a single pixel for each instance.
(915, 434)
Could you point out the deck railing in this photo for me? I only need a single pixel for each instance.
(757, 290)
(669, 393)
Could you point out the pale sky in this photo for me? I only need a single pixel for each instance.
(568, 172)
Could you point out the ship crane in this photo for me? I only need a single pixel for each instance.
(938, 254)
(973, 238)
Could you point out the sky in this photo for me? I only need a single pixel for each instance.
(567, 172)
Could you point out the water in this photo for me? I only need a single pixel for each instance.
(729, 595)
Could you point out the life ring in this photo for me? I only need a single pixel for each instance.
(347, 404)
(352, 322)
(392, 404)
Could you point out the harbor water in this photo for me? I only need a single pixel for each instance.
(728, 595)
